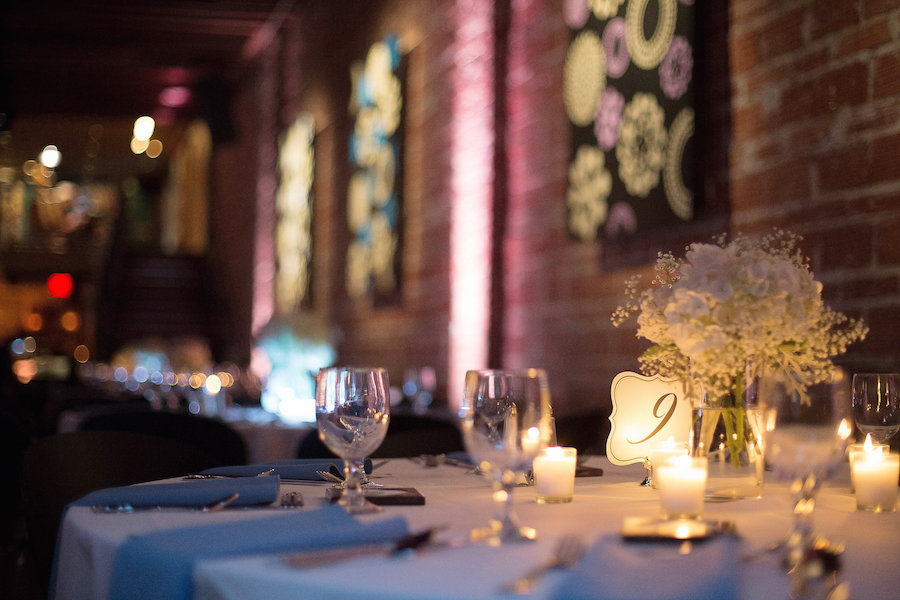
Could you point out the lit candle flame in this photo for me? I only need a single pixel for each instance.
(844, 430)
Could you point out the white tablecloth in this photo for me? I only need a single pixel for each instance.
(461, 501)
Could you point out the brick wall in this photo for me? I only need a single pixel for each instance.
(804, 134)
(816, 148)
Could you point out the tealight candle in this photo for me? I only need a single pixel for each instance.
(662, 452)
(554, 475)
(876, 481)
(682, 483)
(531, 440)
(856, 451)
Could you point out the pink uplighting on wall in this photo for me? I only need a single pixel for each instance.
(266, 185)
(471, 185)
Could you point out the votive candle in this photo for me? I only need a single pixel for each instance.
(876, 481)
(661, 452)
(554, 475)
(682, 484)
(531, 441)
(857, 451)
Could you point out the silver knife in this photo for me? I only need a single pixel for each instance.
(321, 558)
(128, 508)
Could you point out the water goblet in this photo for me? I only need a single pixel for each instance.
(876, 404)
(807, 435)
(505, 419)
(352, 414)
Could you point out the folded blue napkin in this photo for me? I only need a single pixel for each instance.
(613, 569)
(160, 565)
(251, 490)
(460, 456)
(294, 468)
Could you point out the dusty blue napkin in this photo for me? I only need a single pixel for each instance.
(160, 565)
(251, 490)
(294, 468)
(613, 569)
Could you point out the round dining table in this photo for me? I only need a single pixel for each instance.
(456, 500)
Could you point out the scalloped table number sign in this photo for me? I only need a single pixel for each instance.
(645, 412)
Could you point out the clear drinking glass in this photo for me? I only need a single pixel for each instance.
(352, 414)
(876, 404)
(805, 444)
(505, 421)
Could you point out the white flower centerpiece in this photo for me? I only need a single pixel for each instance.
(729, 312)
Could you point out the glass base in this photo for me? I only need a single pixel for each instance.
(553, 499)
(877, 508)
(366, 508)
(497, 533)
(358, 506)
(726, 483)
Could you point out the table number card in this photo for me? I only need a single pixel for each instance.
(645, 412)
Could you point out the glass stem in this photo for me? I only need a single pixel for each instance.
(505, 520)
(353, 495)
(801, 543)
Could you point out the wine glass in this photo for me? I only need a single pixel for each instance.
(876, 404)
(352, 414)
(805, 442)
(505, 422)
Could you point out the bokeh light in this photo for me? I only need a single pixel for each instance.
(175, 96)
(34, 322)
(50, 157)
(154, 148)
(25, 370)
(213, 385)
(143, 128)
(60, 285)
(17, 346)
(82, 354)
(70, 320)
(139, 146)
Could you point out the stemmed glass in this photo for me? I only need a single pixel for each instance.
(505, 419)
(876, 404)
(352, 414)
(805, 443)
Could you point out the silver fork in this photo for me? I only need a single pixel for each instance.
(328, 476)
(565, 554)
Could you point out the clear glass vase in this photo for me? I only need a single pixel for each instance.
(732, 439)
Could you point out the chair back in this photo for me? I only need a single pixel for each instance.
(215, 437)
(408, 435)
(61, 468)
(585, 431)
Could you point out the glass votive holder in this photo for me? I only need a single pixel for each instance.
(857, 451)
(661, 452)
(554, 475)
(876, 481)
(681, 481)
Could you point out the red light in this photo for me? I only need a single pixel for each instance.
(60, 285)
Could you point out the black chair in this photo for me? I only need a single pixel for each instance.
(215, 437)
(585, 431)
(412, 435)
(407, 435)
(61, 468)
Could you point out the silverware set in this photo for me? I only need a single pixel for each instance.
(129, 508)
(565, 554)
